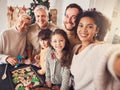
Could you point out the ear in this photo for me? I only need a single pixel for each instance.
(97, 30)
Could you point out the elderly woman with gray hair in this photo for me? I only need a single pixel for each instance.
(13, 41)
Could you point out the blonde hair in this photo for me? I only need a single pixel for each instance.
(24, 16)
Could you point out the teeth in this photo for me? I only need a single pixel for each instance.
(69, 24)
(84, 35)
(58, 47)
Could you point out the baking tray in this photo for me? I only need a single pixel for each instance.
(25, 77)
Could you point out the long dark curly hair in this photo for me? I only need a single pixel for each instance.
(102, 22)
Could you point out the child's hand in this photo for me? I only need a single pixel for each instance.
(41, 72)
(37, 64)
(37, 57)
(49, 84)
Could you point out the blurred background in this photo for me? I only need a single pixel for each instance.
(10, 9)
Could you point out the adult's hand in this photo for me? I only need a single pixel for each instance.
(12, 60)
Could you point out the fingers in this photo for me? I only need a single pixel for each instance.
(49, 84)
(12, 60)
(37, 57)
(27, 62)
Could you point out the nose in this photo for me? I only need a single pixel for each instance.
(84, 29)
(58, 43)
(69, 19)
(40, 18)
(42, 42)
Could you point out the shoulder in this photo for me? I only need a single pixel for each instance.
(7, 31)
(33, 27)
(52, 26)
(76, 47)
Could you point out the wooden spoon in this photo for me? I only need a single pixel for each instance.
(4, 74)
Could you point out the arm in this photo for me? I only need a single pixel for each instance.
(29, 54)
(65, 79)
(48, 74)
(37, 62)
(3, 57)
(29, 50)
(116, 65)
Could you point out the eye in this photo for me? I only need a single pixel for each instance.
(66, 16)
(80, 25)
(61, 40)
(74, 17)
(90, 26)
(54, 41)
(43, 16)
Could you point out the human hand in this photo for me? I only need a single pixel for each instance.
(49, 84)
(12, 60)
(37, 57)
(41, 71)
(28, 61)
(116, 65)
(37, 64)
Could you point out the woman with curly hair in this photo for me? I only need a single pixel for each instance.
(97, 65)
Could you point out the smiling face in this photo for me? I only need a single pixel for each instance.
(58, 42)
(44, 43)
(86, 29)
(22, 24)
(41, 17)
(70, 17)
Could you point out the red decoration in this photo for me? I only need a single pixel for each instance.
(53, 55)
(11, 9)
(24, 8)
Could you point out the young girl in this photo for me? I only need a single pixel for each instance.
(58, 61)
(44, 37)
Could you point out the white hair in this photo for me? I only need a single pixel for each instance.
(39, 7)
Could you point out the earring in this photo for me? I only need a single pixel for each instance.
(96, 35)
